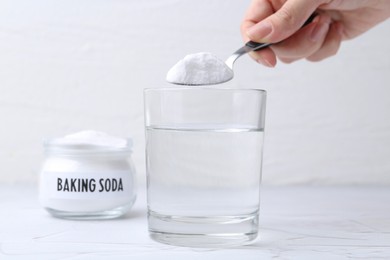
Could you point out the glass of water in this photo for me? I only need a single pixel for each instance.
(203, 160)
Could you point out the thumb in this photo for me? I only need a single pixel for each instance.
(284, 22)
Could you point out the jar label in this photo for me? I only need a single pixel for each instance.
(85, 185)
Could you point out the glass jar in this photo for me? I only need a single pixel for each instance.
(84, 181)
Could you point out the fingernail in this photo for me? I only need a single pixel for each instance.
(319, 31)
(260, 31)
(265, 63)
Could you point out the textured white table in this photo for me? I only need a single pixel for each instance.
(296, 223)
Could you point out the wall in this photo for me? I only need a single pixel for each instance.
(70, 65)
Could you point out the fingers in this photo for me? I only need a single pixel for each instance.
(305, 42)
(331, 44)
(257, 11)
(282, 24)
(265, 57)
(315, 42)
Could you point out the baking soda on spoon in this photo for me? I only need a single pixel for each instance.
(206, 69)
(201, 68)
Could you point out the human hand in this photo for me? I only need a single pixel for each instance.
(273, 21)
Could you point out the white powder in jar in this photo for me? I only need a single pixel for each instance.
(91, 138)
(201, 68)
(87, 175)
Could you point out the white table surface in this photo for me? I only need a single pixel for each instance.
(296, 223)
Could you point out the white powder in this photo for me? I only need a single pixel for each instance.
(91, 138)
(201, 68)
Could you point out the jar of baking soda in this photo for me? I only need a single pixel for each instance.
(87, 175)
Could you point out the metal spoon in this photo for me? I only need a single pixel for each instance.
(248, 47)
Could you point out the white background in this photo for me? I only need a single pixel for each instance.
(70, 65)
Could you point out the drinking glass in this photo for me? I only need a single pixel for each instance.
(203, 161)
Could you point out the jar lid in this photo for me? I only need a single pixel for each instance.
(88, 141)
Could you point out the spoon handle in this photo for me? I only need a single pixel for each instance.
(254, 46)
